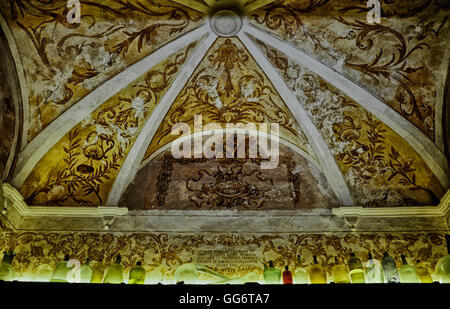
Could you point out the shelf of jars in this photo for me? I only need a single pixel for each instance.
(353, 270)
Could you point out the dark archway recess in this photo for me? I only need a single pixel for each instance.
(10, 100)
(229, 184)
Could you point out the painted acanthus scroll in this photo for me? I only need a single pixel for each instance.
(393, 66)
(286, 17)
(399, 59)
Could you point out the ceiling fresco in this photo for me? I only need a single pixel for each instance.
(163, 253)
(99, 100)
(95, 149)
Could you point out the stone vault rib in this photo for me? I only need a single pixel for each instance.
(282, 141)
(324, 156)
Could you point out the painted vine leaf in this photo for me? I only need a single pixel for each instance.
(369, 159)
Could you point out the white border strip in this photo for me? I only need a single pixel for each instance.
(429, 152)
(59, 127)
(439, 104)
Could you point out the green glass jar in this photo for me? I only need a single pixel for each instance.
(271, 274)
(407, 272)
(300, 274)
(137, 274)
(98, 271)
(187, 274)
(340, 273)
(114, 275)
(317, 275)
(61, 271)
(154, 276)
(250, 277)
(442, 269)
(390, 269)
(423, 272)
(43, 273)
(356, 269)
(86, 272)
(6, 271)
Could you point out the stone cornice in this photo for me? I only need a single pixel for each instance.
(406, 211)
(20, 216)
(12, 198)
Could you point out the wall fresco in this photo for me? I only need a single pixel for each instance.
(163, 253)
(80, 169)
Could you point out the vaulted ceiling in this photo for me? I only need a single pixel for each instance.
(89, 107)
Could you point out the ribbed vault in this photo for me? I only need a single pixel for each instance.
(360, 105)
